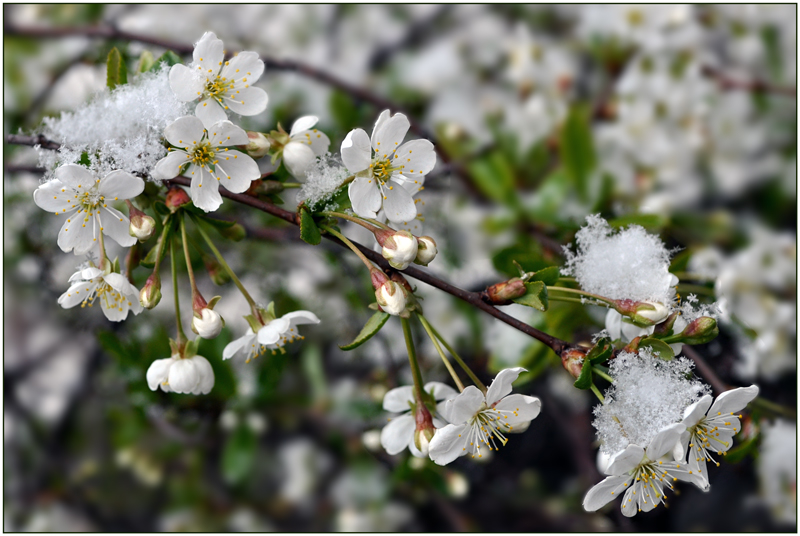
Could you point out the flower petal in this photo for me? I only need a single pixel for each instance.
(630, 504)
(210, 112)
(75, 294)
(170, 166)
(117, 226)
(299, 318)
(236, 171)
(206, 375)
(604, 492)
(501, 385)
(395, 436)
(698, 471)
(416, 156)
(447, 444)
(208, 54)
(158, 372)
(664, 441)
(77, 235)
(225, 134)
(733, 400)
(398, 204)
(297, 156)
(120, 283)
(75, 177)
(247, 101)
(183, 376)
(116, 311)
(397, 400)
(614, 324)
(120, 184)
(681, 447)
(317, 140)
(365, 197)
(185, 83)
(356, 152)
(522, 409)
(625, 460)
(303, 123)
(241, 344)
(272, 332)
(244, 65)
(696, 411)
(204, 189)
(441, 391)
(49, 197)
(464, 406)
(184, 132)
(388, 135)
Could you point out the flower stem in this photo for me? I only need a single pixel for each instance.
(291, 185)
(597, 393)
(602, 374)
(369, 227)
(227, 268)
(447, 364)
(574, 300)
(101, 243)
(349, 244)
(582, 293)
(458, 359)
(188, 258)
(162, 243)
(412, 359)
(181, 335)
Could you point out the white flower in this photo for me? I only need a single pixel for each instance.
(271, 336)
(382, 166)
(391, 296)
(191, 375)
(305, 144)
(211, 157)
(711, 428)
(479, 418)
(400, 249)
(116, 295)
(641, 474)
(208, 325)
(220, 85)
(83, 198)
(399, 433)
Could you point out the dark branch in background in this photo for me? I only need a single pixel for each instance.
(18, 139)
(757, 86)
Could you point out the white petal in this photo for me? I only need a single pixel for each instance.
(441, 391)
(604, 492)
(186, 84)
(183, 376)
(225, 134)
(75, 177)
(299, 318)
(733, 400)
(120, 184)
(272, 332)
(206, 374)
(243, 65)
(75, 294)
(365, 197)
(73, 236)
(664, 441)
(501, 385)
(356, 152)
(208, 54)
(204, 189)
(236, 171)
(681, 447)
(114, 311)
(382, 118)
(158, 372)
(317, 140)
(247, 101)
(49, 197)
(117, 226)
(629, 509)
(303, 123)
(395, 436)
(464, 406)
(698, 468)
(297, 157)
(398, 204)
(524, 409)
(614, 324)
(184, 131)
(625, 460)
(389, 134)
(447, 444)
(170, 166)
(397, 400)
(696, 411)
(238, 345)
(209, 112)
(417, 157)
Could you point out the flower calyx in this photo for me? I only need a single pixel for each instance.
(424, 431)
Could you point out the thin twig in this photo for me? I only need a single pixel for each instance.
(756, 86)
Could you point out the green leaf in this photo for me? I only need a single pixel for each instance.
(600, 352)
(238, 455)
(549, 276)
(146, 62)
(659, 347)
(373, 326)
(116, 74)
(494, 176)
(536, 296)
(309, 231)
(168, 57)
(577, 149)
(584, 381)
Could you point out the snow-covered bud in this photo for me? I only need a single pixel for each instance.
(208, 325)
(142, 226)
(424, 430)
(391, 297)
(399, 247)
(699, 331)
(503, 293)
(259, 145)
(572, 361)
(151, 292)
(176, 198)
(642, 313)
(426, 250)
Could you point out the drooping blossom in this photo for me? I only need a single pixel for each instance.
(190, 375)
(114, 292)
(399, 433)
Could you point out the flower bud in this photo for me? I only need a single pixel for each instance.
(424, 430)
(399, 248)
(258, 146)
(503, 293)
(642, 313)
(665, 327)
(700, 331)
(151, 292)
(234, 232)
(208, 325)
(215, 271)
(176, 198)
(391, 297)
(426, 250)
(142, 226)
(572, 361)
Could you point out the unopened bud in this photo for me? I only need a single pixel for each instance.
(258, 146)
(425, 430)
(391, 297)
(208, 325)
(176, 198)
(700, 331)
(642, 313)
(268, 186)
(399, 247)
(426, 250)
(572, 361)
(503, 293)
(151, 292)
(215, 271)
(142, 226)
(665, 327)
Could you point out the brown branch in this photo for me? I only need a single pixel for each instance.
(757, 86)
(19, 139)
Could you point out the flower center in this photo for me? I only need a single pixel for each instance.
(203, 154)
(112, 299)
(488, 426)
(90, 199)
(382, 170)
(217, 88)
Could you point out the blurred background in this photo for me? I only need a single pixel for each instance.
(682, 119)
